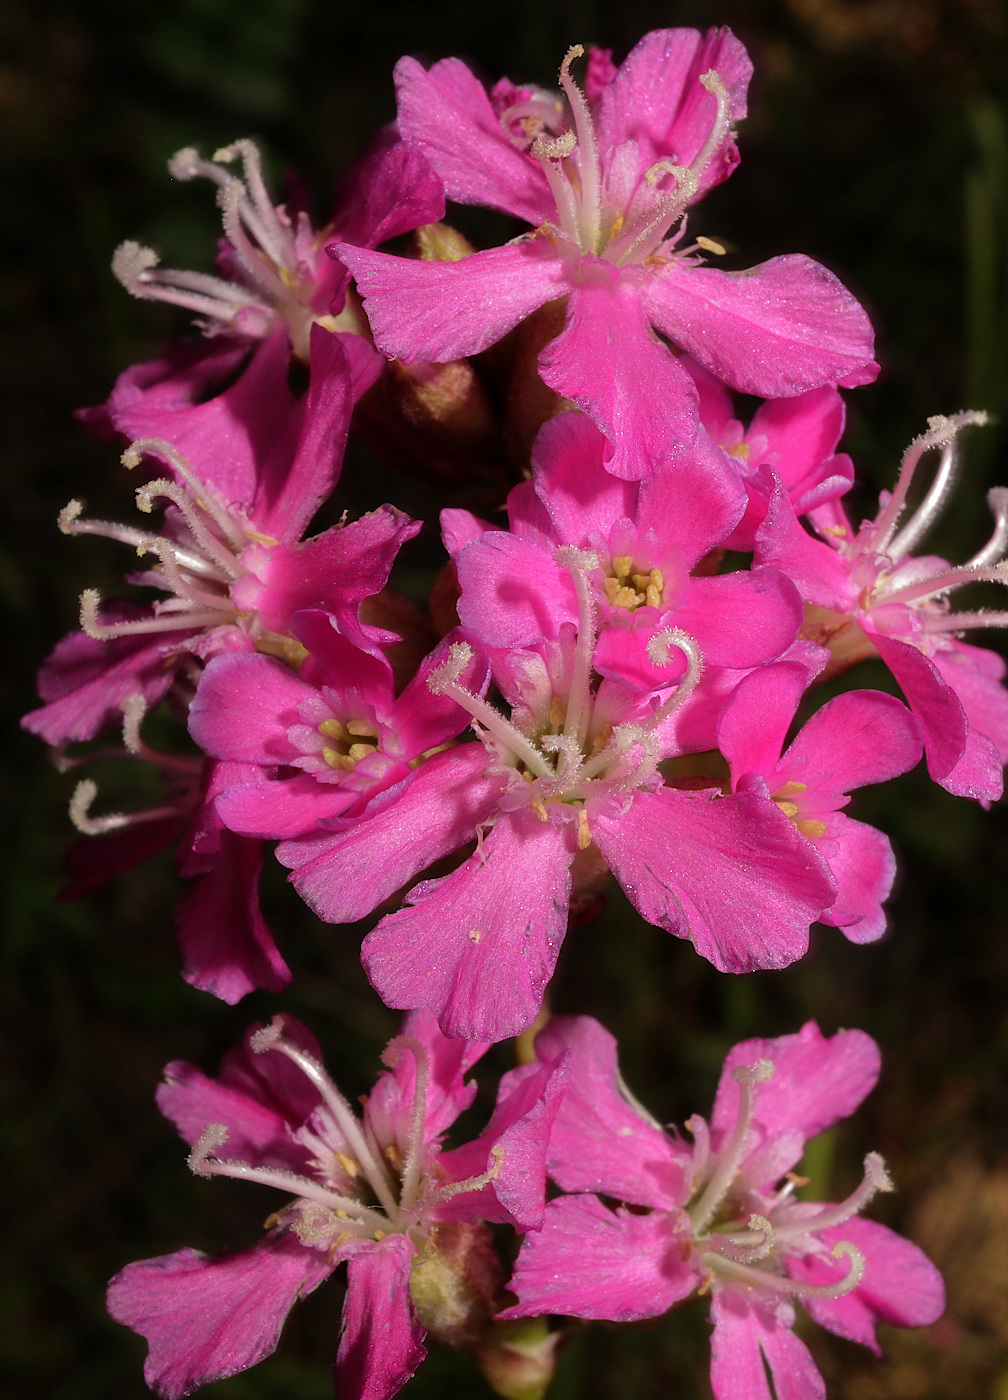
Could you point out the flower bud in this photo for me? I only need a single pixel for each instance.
(518, 1358)
(454, 1283)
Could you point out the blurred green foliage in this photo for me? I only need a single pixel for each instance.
(876, 143)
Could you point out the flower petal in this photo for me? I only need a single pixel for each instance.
(381, 1342)
(603, 355)
(479, 945)
(775, 330)
(209, 1318)
(588, 1261)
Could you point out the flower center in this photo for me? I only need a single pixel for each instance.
(569, 752)
(630, 588)
(346, 743)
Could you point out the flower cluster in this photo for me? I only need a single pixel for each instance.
(613, 681)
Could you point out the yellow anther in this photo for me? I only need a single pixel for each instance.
(361, 728)
(379, 1234)
(557, 712)
(349, 1164)
(358, 751)
(838, 531)
(641, 581)
(539, 807)
(475, 934)
(601, 739)
(709, 246)
(790, 809)
(789, 790)
(811, 828)
(583, 831)
(332, 729)
(741, 449)
(653, 596)
(394, 1157)
(658, 579)
(335, 759)
(627, 598)
(622, 565)
(617, 224)
(612, 587)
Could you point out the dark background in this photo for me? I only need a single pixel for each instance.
(876, 143)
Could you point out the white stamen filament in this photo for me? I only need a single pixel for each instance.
(764, 1280)
(269, 230)
(230, 198)
(202, 1163)
(729, 1159)
(162, 488)
(346, 1120)
(994, 549)
(413, 1165)
(944, 583)
(84, 795)
(931, 506)
(876, 1179)
(752, 1245)
(579, 563)
(941, 430)
(445, 680)
(471, 1183)
(90, 602)
(132, 457)
(590, 203)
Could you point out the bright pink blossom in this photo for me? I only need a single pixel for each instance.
(272, 268)
(240, 488)
(796, 436)
(374, 1191)
(648, 539)
(604, 181)
(579, 792)
(869, 595)
(724, 1215)
(860, 737)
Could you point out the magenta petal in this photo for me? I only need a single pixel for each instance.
(656, 98)
(588, 1261)
(257, 1132)
(527, 1102)
(802, 431)
(691, 508)
(570, 480)
(775, 330)
(599, 1141)
(479, 946)
(862, 736)
(208, 1318)
(935, 703)
(284, 807)
(730, 873)
(389, 190)
(449, 1093)
(288, 495)
(448, 114)
(514, 593)
(744, 1336)
(864, 867)
(900, 1286)
(84, 682)
(817, 571)
(425, 720)
(755, 721)
(334, 571)
(741, 619)
(97, 859)
(816, 1081)
(244, 706)
(344, 875)
(381, 1342)
(222, 937)
(604, 354)
(446, 310)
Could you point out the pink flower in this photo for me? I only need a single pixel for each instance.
(579, 792)
(374, 1191)
(238, 495)
(272, 267)
(724, 1215)
(868, 595)
(857, 738)
(797, 437)
(604, 183)
(648, 537)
